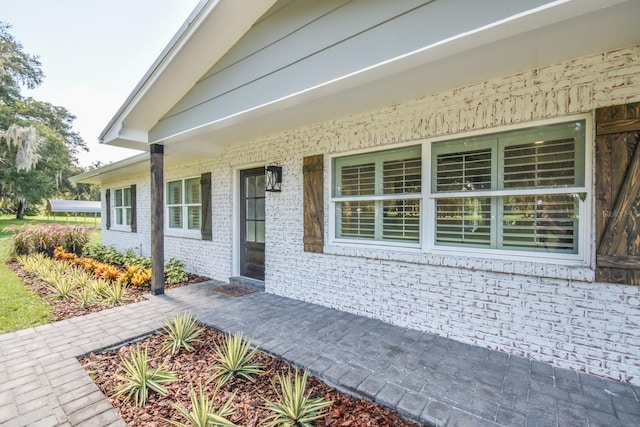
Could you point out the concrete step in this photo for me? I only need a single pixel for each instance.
(247, 281)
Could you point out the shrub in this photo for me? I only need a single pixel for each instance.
(234, 357)
(137, 276)
(45, 238)
(105, 254)
(293, 407)
(181, 333)
(95, 251)
(174, 271)
(136, 269)
(62, 254)
(130, 258)
(202, 412)
(140, 378)
(106, 271)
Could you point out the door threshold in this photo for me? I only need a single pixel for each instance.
(248, 281)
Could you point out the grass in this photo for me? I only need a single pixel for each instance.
(19, 307)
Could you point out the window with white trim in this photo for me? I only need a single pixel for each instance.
(122, 212)
(520, 190)
(184, 204)
(377, 196)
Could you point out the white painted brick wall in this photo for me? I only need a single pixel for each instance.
(547, 312)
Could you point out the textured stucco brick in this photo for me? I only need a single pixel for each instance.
(539, 310)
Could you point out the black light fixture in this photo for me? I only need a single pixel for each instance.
(273, 178)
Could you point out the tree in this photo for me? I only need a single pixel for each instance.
(37, 142)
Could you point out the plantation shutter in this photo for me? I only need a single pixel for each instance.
(618, 194)
(313, 200)
(134, 220)
(107, 198)
(205, 191)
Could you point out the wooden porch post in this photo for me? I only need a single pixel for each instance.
(157, 219)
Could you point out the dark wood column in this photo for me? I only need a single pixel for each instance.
(157, 219)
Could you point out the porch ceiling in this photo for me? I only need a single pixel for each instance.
(564, 30)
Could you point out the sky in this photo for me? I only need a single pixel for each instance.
(93, 53)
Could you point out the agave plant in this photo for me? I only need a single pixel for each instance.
(140, 378)
(234, 357)
(293, 408)
(181, 333)
(202, 412)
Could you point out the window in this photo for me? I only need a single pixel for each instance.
(184, 204)
(522, 193)
(377, 196)
(122, 211)
(522, 190)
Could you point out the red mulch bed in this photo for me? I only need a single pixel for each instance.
(192, 369)
(64, 309)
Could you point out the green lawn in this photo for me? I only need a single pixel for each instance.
(19, 308)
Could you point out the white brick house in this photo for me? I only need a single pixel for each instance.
(430, 207)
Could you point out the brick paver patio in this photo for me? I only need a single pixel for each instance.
(425, 377)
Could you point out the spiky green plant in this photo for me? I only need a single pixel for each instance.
(202, 412)
(140, 378)
(31, 262)
(235, 357)
(85, 296)
(115, 294)
(81, 277)
(181, 332)
(61, 286)
(99, 287)
(293, 408)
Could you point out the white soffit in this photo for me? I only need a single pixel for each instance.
(558, 31)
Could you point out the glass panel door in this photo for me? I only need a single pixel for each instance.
(252, 223)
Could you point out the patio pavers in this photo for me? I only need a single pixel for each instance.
(425, 377)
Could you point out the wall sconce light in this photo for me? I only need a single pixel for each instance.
(273, 178)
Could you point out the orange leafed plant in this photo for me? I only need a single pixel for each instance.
(142, 277)
(60, 253)
(136, 275)
(106, 271)
(86, 263)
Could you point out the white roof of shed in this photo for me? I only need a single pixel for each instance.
(74, 206)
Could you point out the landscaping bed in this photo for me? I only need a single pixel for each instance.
(192, 370)
(67, 308)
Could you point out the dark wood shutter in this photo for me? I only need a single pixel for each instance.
(134, 216)
(205, 191)
(618, 194)
(312, 171)
(107, 200)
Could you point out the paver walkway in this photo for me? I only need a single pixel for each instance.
(428, 378)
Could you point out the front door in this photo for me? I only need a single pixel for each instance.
(252, 223)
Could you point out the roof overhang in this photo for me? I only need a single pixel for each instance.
(212, 28)
(133, 165)
(558, 31)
